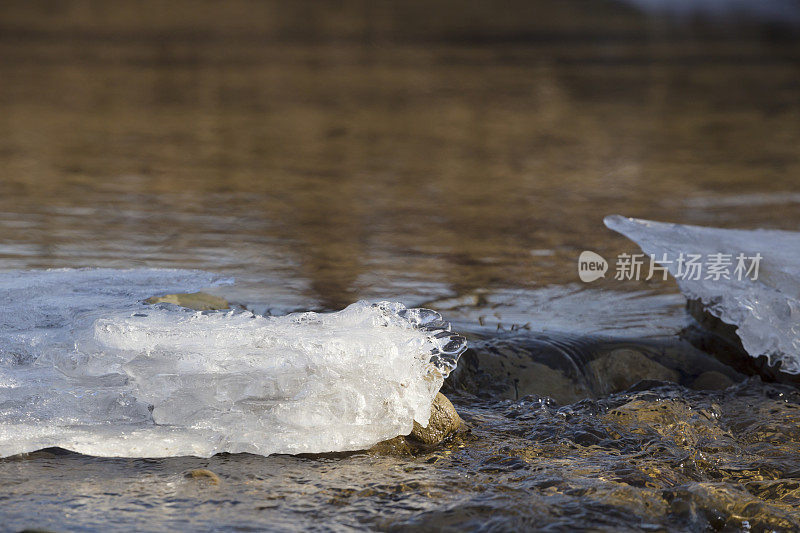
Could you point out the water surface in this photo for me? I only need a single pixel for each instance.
(459, 155)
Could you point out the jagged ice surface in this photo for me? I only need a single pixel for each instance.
(766, 311)
(86, 366)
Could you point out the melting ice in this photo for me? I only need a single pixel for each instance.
(87, 366)
(766, 310)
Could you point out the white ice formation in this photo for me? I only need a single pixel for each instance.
(87, 366)
(766, 310)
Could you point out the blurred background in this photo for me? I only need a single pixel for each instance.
(321, 152)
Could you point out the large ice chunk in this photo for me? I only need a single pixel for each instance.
(86, 365)
(765, 310)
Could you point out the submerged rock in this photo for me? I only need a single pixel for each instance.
(202, 474)
(396, 446)
(521, 364)
(712, 380)
(671, 418)
(568, 368)
(621, 368)
(199, 301)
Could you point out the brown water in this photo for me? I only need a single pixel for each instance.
(457, 155)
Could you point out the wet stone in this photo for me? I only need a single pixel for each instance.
(444, 422)
(202, 474)
(199, 301)
(712, 380)
(624, 367)
(396, 446)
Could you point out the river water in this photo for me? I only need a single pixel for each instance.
(456, 156)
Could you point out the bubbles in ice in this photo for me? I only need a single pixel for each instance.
(85, 365)
(766, 310)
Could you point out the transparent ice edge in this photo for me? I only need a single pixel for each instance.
(765, 311)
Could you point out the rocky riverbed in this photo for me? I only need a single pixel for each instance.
(621, 436)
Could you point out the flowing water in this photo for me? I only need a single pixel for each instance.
(454, 156)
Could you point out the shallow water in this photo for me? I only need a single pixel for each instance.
(456, 158)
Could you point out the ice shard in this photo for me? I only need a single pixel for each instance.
(764, 305)
(86, 365)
